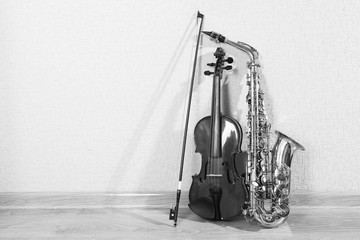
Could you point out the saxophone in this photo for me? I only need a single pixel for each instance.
(267, 173)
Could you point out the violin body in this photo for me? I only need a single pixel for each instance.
(218, 191)
(218, 197)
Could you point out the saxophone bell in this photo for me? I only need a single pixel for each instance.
(284, 149)
(277, 210)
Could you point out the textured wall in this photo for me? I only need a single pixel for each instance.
(92, 93)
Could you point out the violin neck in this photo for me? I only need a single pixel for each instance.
(215, 148)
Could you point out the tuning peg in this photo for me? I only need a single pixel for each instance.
(208, 73)
(229, 60)
(228, 67)
(211, 64)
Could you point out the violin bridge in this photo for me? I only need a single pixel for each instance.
(214, 175)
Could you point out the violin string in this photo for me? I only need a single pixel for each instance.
(218, 157)
(211, 160)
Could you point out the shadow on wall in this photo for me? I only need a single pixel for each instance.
(117, 178)
(234, 91)
(299, 167)
(231, 90)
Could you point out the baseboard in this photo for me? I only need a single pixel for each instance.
(63, 200)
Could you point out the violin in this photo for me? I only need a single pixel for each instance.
(218, 191)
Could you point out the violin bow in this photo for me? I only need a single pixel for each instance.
(175, 210)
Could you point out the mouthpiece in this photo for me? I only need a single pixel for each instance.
(207, 33)
(215, 36)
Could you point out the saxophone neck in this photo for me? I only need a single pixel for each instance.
(249, 50)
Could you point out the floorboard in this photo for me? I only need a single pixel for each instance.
(145, 216)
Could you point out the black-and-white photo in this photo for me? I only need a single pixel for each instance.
(179, 119)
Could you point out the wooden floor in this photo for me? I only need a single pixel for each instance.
(145, 216)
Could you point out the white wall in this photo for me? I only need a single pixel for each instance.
(92, 93)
